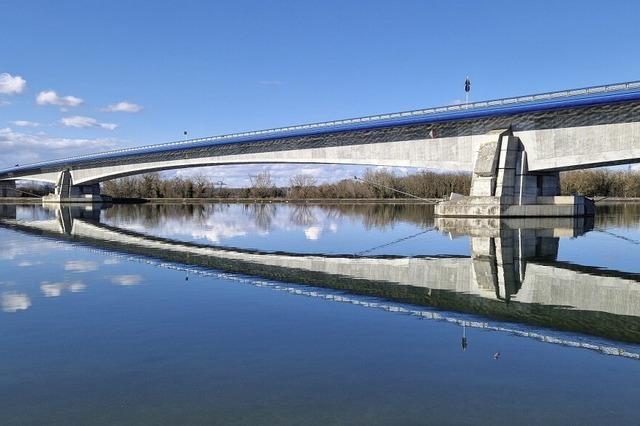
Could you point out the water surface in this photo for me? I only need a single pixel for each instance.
(316, 314)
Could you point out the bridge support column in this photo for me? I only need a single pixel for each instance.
(8, 188)
(502, 186)
(500, 248)
(67, 192)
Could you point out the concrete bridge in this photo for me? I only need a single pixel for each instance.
(512, 273)
(514, 147)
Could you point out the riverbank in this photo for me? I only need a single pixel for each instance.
(294, 201)
(28, 200)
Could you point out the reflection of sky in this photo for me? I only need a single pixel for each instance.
(36, 269)
(290, 228)
(613, 248)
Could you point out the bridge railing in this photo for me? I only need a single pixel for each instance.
(585, 91)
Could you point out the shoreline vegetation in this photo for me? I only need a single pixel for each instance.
(374, 186)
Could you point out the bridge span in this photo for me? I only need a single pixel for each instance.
(515, 148)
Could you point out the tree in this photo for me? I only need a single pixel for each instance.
(302, 186)
(262, 185)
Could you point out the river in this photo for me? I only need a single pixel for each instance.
(316, 314)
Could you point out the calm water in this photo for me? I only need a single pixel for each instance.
(299, 314)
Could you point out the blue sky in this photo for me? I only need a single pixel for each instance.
(219, 67)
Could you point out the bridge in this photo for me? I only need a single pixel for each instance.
(514, 147)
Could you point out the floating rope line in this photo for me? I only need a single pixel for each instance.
(621, 237)
(392, 189)
(25, 192)
(360, 253)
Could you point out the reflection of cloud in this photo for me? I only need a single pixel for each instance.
(313, 232)
(111, 261)
(217, 232)
(77, 287)
(13, 302)
(51, 290)
(80, 266)
(12, 249)
(55, 289)
(126, 279)
(26, 263)
(218, 224)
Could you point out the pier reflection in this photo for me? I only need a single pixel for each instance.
(512, 273)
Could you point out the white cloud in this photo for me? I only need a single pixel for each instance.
(22, 147)
(50, 97)
(127, 279)
(82, 122)
(4, 103)
(11, 85)
(80, 266)
(25, 123)
(123, 106)
(111, 261)
(13, 302)
(238, 175)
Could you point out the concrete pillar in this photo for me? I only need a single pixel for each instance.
(499, 257)
(8, 188)
(66, 192)
(502, 186)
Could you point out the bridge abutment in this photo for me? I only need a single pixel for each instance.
(66, 192)
(502, 186)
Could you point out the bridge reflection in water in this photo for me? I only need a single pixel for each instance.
(512, 274)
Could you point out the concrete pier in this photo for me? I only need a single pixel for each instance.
(503, 186)
(66, 192)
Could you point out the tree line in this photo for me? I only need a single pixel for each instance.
(374, 184)
(601, 183)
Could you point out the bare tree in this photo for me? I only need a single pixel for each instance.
(262, 185)
(302, 186)
(201, 186)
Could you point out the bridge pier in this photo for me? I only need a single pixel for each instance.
(66, 192)
(8, 188)
(501, 248)
(502, 186)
